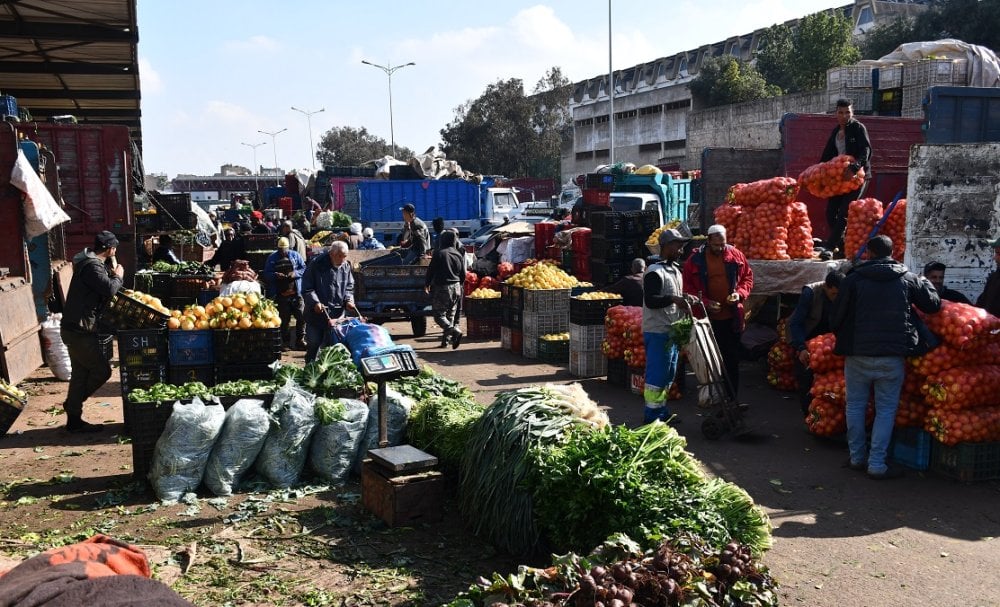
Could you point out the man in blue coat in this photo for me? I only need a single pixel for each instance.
(283, 272)
(328, 292)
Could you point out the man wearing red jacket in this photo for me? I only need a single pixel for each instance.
(720, 275)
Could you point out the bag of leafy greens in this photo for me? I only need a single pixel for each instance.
(293, 420)
(335, 445)
(238, 445)
(182, 450)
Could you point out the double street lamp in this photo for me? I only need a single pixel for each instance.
(308, 115)
(274, 148)
(256, 167)
(389, 71)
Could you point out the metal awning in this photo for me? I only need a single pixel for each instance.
(72, 57)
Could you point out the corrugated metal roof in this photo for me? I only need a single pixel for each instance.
(72, 57)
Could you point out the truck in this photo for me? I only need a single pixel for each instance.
(385, 290)
(463, 205)
(661, 192)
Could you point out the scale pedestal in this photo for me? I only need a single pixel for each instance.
(400, 486)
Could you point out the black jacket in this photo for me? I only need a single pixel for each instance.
(872, 315)
(448, 263)
(989, 299)
(91, 288)
(856, 143)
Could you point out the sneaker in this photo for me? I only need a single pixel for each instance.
(456, 340)
(445, 341)
(856, 467)
(83, 427)
(890, 472)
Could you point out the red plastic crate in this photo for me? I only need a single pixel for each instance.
(483, 328)
(602, 197)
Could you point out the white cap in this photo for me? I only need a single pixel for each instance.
(367, 233)
(716, 229)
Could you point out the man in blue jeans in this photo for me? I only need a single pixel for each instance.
(876, 329)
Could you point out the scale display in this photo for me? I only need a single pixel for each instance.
(389, 366)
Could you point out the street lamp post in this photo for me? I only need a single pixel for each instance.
(256, 167)
(389, 71)
(274, 148)
(308, 115)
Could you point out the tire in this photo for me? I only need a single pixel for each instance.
(419, 325)
(713, 429)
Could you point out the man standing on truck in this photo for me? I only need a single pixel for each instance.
(328, 292)
(415, 237)
(444, 283)
(720, 275)
(96, 278)
(848, 137)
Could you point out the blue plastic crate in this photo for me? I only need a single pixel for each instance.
(191, 348)
(8, 105)
(911, 447)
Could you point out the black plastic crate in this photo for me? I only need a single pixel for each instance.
(607, 273)
(483, 328)
(261, 242)
(189, 286)
(618, 372)
(614, 250)
(106, 345)
(967, 462)
(257, 259)
(237, 347)
(141, 377)
(123, 312)
(608, 224)
(482, 308)
(147, 222)
(145, 423)
(142, 347)
(176, 204)
(512, 296)
(252, 371)
(590, 311)
(554, 352)
(179, 221)
(158, 284)
(512, 319)
(182, 374)
(648, 221)
(599, 181)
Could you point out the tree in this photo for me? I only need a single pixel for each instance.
(774, 56)
(883, 39)
(553, 123)
(822, 40)
(972, 21)
(725, 80)
(348, 146)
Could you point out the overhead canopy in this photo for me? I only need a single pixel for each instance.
(72, 57)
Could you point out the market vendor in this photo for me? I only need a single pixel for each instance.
(328, 292)
(230, 249)
(811, 318)
(989, 299)
(415, 237)
(630, 285)
(848, 137)
(164, 251)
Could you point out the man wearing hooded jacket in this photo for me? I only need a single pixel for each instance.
(96, 278)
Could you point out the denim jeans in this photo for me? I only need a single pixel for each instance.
(884, 374)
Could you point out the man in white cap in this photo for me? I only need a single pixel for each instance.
(283, 273)
(663, 304)
(719, 274)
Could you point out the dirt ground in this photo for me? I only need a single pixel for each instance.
(840, 539)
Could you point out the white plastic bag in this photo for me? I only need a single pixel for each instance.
(293, 420)
(238, 445)
(41, 211)
(182, 450)
(240, 286)
(56, 354)
(334, 447)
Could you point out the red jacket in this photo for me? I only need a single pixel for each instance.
(695, 275)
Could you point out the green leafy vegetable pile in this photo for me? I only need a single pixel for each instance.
(185, 268)
(331, 374)
(678, 572)
(442, 426)
(429, 384)
(640, 482)
(161, 392)
(329, 410)
(243, 387)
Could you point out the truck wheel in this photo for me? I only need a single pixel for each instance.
(419, 326)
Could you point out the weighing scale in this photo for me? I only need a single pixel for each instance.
(398, 484)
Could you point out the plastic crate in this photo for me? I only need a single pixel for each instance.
(261, 242)
(482, 308)
(158, 284)
(586, 337)
(647, 221)
(512, 319)
(911, 447)
(207, 295)
(606, 273)
(850, 76)
(546, 300)
(590, 311)
(537, 324)
(10, 411)
(191, 348)
(966, 462)
(608, 224)
(483, 328)
(597, 197)
(172, 204)
(599, 181)
(511, 339)
(251, 371)
(936, 72)
(257, 259)
(505, 336)
(189, 287)
(247, 346)
(179, 375)
(125, 313)
(141, 377)
(529, 346)
(179, 221)
(511, 296)
(147, 222)
(142, 347)
(890, 77)
(555, 352)
(588, 364)
(617, 372)
(636, 379)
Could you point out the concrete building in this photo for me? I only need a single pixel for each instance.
(652, 100)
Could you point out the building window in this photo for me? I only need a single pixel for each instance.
(682, 70)
(649, 147)
(865, 16)
(677, 105)
(600, 119)
(651, 109)
(585, 122)
(626, 114)
(605, 153)
(676, 144)
(584, 155)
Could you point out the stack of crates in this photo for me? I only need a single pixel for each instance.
(890, 90)
(482, 318)
(143, 356)
(586, 334)
(618, 238)
(245, 354)
(853, 82)
(192, 357)
(918, 76)
(545, 311)
(511, 318)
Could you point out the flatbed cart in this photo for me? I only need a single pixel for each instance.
(724, 415)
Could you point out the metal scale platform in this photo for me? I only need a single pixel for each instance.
(398, 484)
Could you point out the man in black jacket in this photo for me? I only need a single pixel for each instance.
(811, 318)
(876, 329)
(989, 299)
(848, 137)
(934, 272)
(630, 285)
(444, 282)
(96, 278)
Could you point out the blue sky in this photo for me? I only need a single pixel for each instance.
(214, 73)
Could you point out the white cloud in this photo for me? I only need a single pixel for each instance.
(257, 43)
(225, 112)
(149, 78)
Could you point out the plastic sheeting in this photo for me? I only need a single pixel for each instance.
(983, 68)
(41, 211)
(287, 445)
(334, 447)
(182, 450)
(242, 437)
(789, 276)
